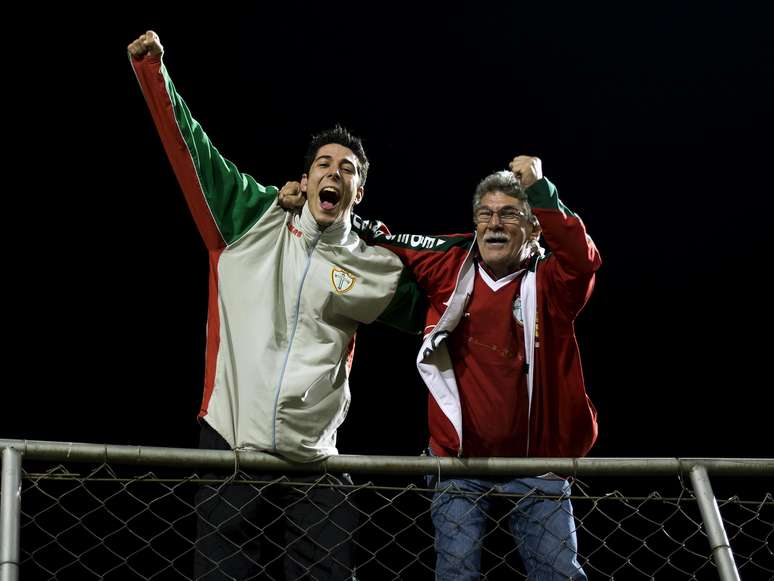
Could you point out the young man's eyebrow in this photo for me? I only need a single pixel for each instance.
(330, 158)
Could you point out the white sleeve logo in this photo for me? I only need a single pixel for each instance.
(415, 240)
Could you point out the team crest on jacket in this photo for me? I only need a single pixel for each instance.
(342, 280)
(517, 314)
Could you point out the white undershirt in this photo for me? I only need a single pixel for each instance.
(496, 285)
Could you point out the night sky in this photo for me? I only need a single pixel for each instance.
(655, 122)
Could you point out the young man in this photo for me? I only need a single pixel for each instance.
(502, 365)
(287, 292)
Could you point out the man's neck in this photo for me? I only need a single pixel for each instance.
(346, 217)
(499, 273)
(333, 233)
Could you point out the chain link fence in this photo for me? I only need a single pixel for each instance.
(81, 519)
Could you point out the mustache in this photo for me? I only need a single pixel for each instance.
(496, 237)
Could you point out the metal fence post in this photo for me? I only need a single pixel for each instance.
(710, 514)
(10, 509)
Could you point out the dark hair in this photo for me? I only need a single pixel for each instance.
(343, 137)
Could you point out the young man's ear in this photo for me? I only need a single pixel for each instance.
(304, 182)
(359, 195)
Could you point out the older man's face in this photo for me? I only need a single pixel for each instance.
(503, 230)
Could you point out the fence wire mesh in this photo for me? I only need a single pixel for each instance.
(106, 522)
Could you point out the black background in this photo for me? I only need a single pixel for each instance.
(653, 120)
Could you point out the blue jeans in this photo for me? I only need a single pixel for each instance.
(543, 528)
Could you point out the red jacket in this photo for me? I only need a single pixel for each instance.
(562, 419)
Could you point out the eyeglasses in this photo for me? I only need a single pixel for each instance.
(506, 215)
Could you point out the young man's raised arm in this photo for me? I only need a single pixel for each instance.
(224, 202)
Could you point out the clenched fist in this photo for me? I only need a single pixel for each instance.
(290, 197)
(147, 43)
(527, 169)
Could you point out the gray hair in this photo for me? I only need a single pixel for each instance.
(502, 181)
(509, 184)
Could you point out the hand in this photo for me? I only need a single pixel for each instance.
(290, 197)
(148, 43)
(527, 169)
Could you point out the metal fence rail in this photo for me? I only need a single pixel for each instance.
(91, 511)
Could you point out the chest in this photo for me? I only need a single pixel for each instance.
(491, 320)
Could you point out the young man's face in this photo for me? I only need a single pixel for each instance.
(502, 242)
(332, 186)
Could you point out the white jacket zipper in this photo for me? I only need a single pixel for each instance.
(312, 246)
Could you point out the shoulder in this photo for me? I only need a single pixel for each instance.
(363, 251)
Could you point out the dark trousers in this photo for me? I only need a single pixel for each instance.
(245, 531)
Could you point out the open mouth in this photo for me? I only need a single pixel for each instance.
(329, 197)
(496, 241)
